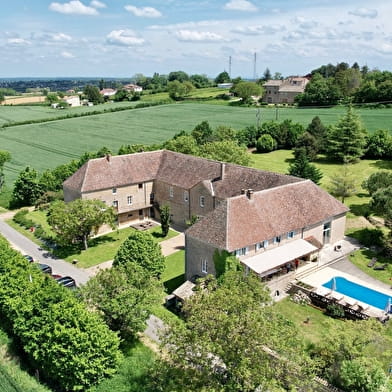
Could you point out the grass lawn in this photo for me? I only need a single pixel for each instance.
(133, 371)
(174, 274)
(361, 258)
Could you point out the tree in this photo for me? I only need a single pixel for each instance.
(302, 168)
(378, 180)
(223, 345)
(319, 132)
(202, 133)
(226, 151)
(245, 90)
(223, 132)
(266, 143)
(379, 145)
(51, 98)
(382, 201)
(223, 77)
(5, 156)
(93, 95)
(308, 143)
(267, 75)
(27, 188)
(124, 295)
(141, 248)
(343, 183)
(180, 76)
(178, 90)
(78, 220)
(200, 81)
(164, 213)
(347, 140)
(185, 144)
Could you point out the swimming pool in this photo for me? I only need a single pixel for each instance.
(360, 293)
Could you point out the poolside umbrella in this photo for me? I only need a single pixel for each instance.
(333, 284)
(388, 306)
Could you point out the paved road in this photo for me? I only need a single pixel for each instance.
(26, 246)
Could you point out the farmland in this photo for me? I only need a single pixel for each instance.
(46, 145)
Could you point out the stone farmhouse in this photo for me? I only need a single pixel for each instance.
(284, 91)
(267, 219)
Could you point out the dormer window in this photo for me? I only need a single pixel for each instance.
(290, 234)
(277, 239)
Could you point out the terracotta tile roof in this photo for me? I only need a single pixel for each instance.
(267, 214)
(273, 83)
(119, 170)
(186, 170)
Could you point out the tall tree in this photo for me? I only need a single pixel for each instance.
(319, 131)
(202, 133)
(226, 151)
(223, 77)
(301, 167)
(343, 184)
(267, 75)
(124, 295)
(78, 220)
(179, 90)
(223, 345)
(141, 248)
(27, 188)
(164, 213)
(93, 95)
(347, 139)
(245, 90)
(181, 76)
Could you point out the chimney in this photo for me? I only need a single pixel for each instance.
(107, 156)
(249, 194)
(223, 167)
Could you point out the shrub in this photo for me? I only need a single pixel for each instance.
(266, 143)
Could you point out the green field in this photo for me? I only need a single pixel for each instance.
(47, 145)
(24, 113)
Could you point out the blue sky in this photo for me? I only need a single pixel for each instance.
(119, 38)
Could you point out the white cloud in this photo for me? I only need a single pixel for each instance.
(73, 7)
(146, 12)
(124, 37)
(67, 55)
(258, 30)
(59, 37)
(198, 36)
(364, 12)
(97, 4)
(18, 41)
(240, 5)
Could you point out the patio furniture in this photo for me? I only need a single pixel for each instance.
(372, 262)
(380, 267)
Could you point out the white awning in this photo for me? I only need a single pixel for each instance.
(270, 259)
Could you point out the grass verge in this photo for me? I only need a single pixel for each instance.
(174, 274)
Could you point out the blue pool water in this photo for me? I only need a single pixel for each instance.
(360, 293)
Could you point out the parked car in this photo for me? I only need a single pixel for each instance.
(47, 269)
(28, 258)
(67, 281)
(55, 276)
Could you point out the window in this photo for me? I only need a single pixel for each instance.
(202, 201)
(290, 234)
(114, 191)
(140, 186)
(115, 203)
(186, 196)
(259, 245)
(242, 251)
(152, 198)
(204, 266)
(265, 244)
(277, 239)
(129, 200)
(171, 192)
(326, 232)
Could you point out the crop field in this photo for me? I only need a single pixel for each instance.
(47, 145)
(24, 113)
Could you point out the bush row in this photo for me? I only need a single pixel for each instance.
(85, 114)
(70, 347)
(21, 219)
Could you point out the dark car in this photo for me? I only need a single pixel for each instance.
(47, 269)
(55, 276)
(67, 281)
(28, 258)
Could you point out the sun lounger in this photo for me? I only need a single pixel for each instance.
(372, 262)
(380, 267)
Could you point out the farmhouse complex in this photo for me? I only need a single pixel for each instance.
(284, 91)
(266, 219)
